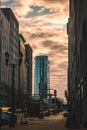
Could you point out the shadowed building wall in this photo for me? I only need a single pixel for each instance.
(78, 17)
(9, 41)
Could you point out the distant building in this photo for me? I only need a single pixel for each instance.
(22, 72)
(41, 76)
(28, 63)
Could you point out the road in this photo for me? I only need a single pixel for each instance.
(53, 122)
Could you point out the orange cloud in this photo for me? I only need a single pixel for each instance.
(43, 24)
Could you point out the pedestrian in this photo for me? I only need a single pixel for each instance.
(25, 116)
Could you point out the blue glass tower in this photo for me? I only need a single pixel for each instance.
(41, 76)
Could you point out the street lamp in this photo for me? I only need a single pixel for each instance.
(12, 91)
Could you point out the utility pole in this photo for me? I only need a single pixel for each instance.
(49, 86)
(55, 94)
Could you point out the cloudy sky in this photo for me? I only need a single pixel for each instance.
(43, 24)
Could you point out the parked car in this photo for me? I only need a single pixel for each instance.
(5, 117)
(10, 115)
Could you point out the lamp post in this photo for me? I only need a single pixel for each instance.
(41, 116)
(49, 86)
(12, 90)
(49, 101)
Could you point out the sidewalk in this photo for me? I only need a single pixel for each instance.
(53, 122)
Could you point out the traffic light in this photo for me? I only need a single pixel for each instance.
(55, 93)
(65, 93)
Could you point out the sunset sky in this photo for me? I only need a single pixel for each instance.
(43, 25)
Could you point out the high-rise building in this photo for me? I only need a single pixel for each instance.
(4, 46)
(9, 42)
(41, 76)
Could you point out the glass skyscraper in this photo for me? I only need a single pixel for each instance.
(41, 76)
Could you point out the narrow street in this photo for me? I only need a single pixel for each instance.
(53, 122)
